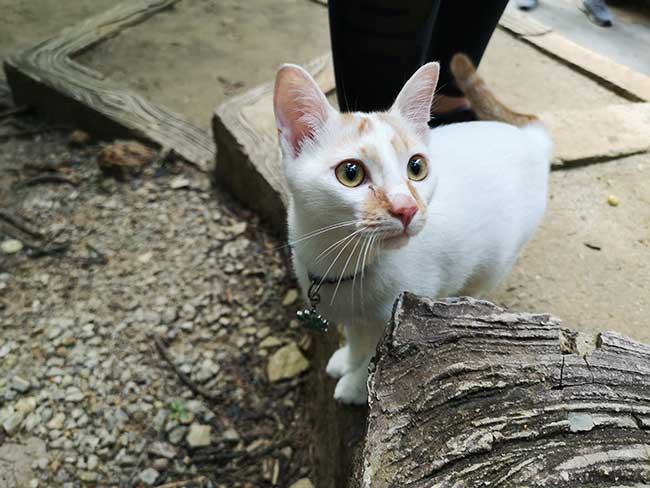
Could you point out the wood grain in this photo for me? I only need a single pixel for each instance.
(47, 77)
(464, 393)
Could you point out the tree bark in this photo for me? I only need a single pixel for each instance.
(466, 394)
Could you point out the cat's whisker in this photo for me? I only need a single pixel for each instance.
(363, 269)
(333, 263)
(345, 266)
(336, 244)
(320, 231)
(356, 268)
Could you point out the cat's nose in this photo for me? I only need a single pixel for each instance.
(403, 208)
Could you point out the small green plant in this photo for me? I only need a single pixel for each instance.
(179, 412)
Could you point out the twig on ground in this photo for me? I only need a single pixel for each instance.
(96, 257)
(40, 252)
(209, 457)
(33, 132)
(162, 349)
(20, 224)
(48, 178)
(14, 111)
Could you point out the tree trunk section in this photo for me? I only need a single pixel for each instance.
(466, 394)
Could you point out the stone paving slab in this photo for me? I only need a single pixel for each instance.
(590, 262)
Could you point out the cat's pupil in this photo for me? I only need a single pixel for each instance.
(351, 171)
(416, 166)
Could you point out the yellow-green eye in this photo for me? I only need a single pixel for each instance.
(417, 168)
(350, 173)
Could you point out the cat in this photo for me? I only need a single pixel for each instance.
(379, 203)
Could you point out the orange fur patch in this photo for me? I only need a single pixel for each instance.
(377, 204)
(363, 126)
(416, 196)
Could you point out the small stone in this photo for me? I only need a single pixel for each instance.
(20, 384)
(231, 435)
(270, 342)
(74, 395)
(176, 434)
(78, 138)
(148, 476)
(26, 405)
(56, 423)
(145, 257)
(162, 449)
(11, 425)
(179, 182)
(198, 435)
(88, 476)
(286, 362)
(303, 483)
(11, 246)
(613, 201)
(290, 298)
(92, 462)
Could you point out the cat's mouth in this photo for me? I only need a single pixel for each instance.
(395, 240)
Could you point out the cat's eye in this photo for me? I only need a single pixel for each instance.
(417, 168)
(350, 173)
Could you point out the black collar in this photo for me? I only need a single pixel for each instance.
(325, 280)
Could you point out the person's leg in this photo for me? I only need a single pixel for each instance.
(377, 45)
(461, 27)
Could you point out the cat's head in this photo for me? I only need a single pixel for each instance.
(374, 169)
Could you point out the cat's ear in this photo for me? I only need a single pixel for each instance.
(301, 109)
(414, 101)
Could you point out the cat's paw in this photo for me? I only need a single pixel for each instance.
(352, 387)
(339, 364)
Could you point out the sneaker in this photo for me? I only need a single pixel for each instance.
(598, 12)
(527, 4)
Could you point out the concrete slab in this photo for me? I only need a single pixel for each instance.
(590, 262)
(631, 28)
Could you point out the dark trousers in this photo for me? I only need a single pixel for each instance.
(378, 44)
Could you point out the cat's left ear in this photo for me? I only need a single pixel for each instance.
(301, 108)
(414, 101)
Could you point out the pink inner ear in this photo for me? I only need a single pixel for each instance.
(414, 101)
(301, 109)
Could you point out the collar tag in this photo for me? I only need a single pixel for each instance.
(309, 317)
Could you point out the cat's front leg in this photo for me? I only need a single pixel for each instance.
(352, 388)
(361, 341)
(350, 363)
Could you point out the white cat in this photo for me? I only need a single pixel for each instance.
(379, 203)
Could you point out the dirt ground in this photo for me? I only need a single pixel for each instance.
(106, 269)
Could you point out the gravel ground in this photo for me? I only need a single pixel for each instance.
(118, 275)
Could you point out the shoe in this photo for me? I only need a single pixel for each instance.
(527, 4)
(598, 12)
(453, 117)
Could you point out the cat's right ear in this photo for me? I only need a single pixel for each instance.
(301, 109)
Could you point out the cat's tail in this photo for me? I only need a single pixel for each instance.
(482, 100)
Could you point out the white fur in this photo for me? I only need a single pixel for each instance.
(486, 193)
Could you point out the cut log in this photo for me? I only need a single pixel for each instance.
(466, 394)
(46, 77)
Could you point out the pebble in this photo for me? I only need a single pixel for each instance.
(179, 182)
(149, 476)
(302, 483)
(286, 362)
(290, 298)
(11, 246)
(198, 435)
(231, 435)
(56, 422)
(613, 201)
(176, 435)
(162, 449)
(20, 384)
(11, 424)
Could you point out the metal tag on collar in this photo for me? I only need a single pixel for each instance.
(309, 317)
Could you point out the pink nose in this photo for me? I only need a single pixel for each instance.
(404, 208)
